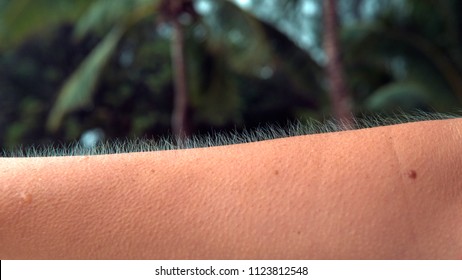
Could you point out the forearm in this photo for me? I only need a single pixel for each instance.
(386, 192)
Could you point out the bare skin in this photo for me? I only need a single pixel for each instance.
(391, 192)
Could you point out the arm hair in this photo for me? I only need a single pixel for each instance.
(263, 133)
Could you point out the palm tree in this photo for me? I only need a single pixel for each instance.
(246, 57)
(405, 59)
(95, 15)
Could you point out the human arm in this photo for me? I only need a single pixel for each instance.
(389, 192)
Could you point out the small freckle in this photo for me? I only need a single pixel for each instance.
(299, 232)
(26, 197)
(276, 172)
(412, 174)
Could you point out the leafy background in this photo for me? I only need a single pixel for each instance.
(101, 69)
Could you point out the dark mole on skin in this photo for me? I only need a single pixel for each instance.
(412, 174)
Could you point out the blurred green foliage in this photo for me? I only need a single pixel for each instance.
(70, 66)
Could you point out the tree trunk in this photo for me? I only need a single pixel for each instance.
(180, 125)
(338, 92)
(171, 11)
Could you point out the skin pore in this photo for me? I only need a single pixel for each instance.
(388, 192)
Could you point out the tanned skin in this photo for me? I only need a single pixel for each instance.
(390, 192)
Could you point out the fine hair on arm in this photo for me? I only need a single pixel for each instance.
(266, 132)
